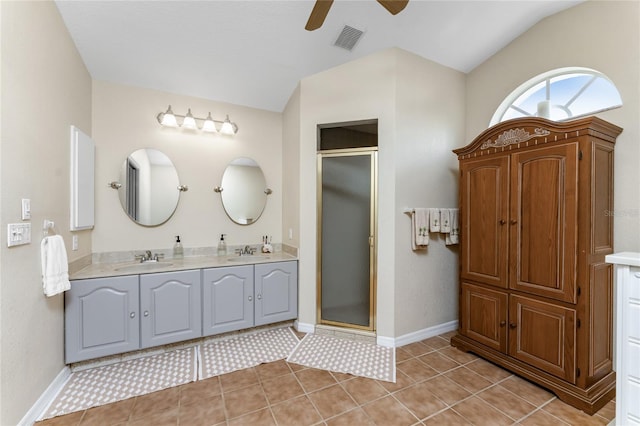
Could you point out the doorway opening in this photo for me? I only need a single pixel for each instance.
(347, 223)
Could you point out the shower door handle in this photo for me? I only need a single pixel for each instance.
(370, 240)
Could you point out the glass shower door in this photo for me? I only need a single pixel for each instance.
(347, 241)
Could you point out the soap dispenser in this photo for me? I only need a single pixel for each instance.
(222, 246)
(178, 251)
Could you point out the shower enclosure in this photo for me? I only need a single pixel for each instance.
(347, 187)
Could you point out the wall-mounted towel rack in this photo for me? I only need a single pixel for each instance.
(48, 226)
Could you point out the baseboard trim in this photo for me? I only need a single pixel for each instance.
(304, 327)
(394, 342)
(425, 333)
(47, 397)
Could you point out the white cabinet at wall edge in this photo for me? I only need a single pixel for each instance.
(238, 297)
(627, 283)
(107, 316)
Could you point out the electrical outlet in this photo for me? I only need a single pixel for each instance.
(74, 242)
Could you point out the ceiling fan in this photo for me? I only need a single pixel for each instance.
(321, 8)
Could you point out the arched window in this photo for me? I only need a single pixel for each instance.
(561, 94)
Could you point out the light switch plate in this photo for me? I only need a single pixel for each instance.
(18, 234)
(26, 209)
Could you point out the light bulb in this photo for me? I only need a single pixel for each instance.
(168, 119)
(189, 122)
(209, 125)
(228, 128)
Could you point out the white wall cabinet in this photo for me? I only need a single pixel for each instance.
(627, 282)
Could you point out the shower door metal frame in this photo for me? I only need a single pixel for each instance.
(372, 152)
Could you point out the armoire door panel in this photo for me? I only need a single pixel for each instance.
(543, 218)
(602, 198)
(543, 335)
(485, 186)
(485, 316)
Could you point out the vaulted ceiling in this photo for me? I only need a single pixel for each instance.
(253, 53)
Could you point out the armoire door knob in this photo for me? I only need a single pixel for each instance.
(502, 221)
(503, 323)
(513, 325)
(513, 221)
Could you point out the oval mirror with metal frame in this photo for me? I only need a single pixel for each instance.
(243, 191)
(149, 188)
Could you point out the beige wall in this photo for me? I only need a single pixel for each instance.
(124, 119)
(430, 122)
(291, 170)
(603, 35)
(45, 88)
(404, 93)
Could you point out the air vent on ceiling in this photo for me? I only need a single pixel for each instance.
(348, 37)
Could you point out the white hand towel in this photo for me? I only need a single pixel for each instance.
(419, 229)
(453, 237)
(55, 269)
(434, 220)
(445, 221)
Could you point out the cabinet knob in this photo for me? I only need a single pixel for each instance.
(513, 221)
(250, 299)
(502, 221)
(132, 315)
(146, 313)
(503, 323)
(637, 274)
(513, 325)
(259, 297)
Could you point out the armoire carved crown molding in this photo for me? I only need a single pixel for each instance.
(513, 136)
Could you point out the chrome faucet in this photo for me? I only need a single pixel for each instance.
(246, 250)
(148, 257)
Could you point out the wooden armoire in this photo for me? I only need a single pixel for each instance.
(536, 222)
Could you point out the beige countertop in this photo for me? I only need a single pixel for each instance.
(101, 270)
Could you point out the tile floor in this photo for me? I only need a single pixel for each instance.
(436, 385)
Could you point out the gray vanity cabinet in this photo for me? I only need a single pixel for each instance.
(169, 307)
(276, 292)
(101, 317)
(227, 299)
(238, 297)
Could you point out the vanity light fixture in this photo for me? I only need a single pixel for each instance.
(170, 119)
(228, 128)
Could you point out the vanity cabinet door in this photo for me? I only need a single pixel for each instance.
(101, 318)
(169, 307)
(227, 299)
(276, 292)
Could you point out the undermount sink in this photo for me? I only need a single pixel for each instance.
(143, 267)
(247, 258)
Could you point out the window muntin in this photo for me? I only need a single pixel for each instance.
(559, 95)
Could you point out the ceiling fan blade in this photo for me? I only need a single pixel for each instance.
(394, 6)
(319, 12)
